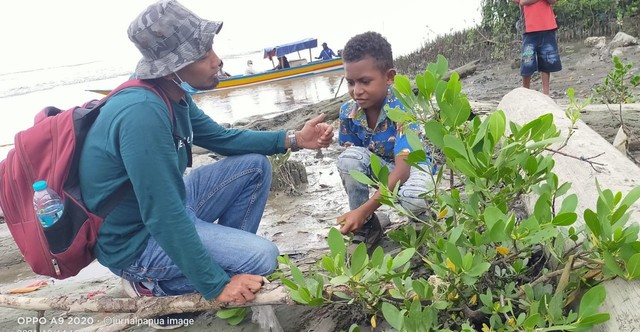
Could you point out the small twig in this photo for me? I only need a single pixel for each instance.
(585, 159)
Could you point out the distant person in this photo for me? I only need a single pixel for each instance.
(539, 43)
(172, 234)
(282, 63)
(326, 53)
(250, 70)
(365, 130)
(222, 73)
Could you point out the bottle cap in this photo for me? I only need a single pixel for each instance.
(40, 185)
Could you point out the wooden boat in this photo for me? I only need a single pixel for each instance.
(299, 67)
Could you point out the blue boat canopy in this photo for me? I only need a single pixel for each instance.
(285, 49)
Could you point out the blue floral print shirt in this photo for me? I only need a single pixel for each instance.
(386, 140)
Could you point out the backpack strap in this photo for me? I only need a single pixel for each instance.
(112, 201)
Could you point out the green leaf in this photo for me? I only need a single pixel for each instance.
(454, 144)
(361, 177)
(454, 255)
(374, 161)
(612, 264)
(297, 275)
(289, 283)
(233, 321)
(359, 258)
(435, 132)
(396, 114)
(414, 140)
(594, 319)
(479, 269)
(465, 167)
(336, 242)
(531, 321)
(392, 315)
(531, 165)
(402, 84)
(569, 204)
(565, 219)
(340, 280)
(228, 313)
(591, 219)
(403, 257)
(328, 263)
(497, 124)
(591, 301)
(631, 197)
(633, 267)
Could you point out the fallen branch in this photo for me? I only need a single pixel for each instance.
(143, 307)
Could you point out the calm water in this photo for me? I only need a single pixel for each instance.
(52, 61)
(17, 112)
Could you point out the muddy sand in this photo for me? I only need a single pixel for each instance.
(298, 224)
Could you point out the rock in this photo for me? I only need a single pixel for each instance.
(617, 52)
(596, 42)
(622, 39)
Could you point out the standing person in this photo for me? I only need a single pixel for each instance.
(366, 130)
(539, 43)
(250, 70)
(172, 234)
(326, 53)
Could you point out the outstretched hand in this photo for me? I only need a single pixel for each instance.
(315, 134)
(241, 289)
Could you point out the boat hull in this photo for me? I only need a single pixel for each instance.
(310, 68)
(275, 75)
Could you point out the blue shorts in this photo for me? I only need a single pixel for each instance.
(539, 53)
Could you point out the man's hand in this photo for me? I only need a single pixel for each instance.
(315, 134)
(241, 289)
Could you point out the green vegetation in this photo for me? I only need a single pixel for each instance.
(478, 265)
(496, 37)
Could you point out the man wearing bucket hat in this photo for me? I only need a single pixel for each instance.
(172, 235)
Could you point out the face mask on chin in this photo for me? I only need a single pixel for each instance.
(186, 87)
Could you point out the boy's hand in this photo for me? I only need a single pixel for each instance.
(351, 221)
(241, 289)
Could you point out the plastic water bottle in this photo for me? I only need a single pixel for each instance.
(47, 204)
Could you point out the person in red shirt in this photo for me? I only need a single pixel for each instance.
(539, 44)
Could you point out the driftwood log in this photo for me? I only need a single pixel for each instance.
(140, 308)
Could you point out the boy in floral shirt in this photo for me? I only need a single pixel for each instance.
(366, 130)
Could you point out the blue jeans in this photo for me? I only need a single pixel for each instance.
(359, 158)
(540, 53)
(225, 201)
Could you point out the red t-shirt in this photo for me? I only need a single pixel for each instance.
(539, 17)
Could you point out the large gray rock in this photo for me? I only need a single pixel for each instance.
(619, 174)
(622, 39)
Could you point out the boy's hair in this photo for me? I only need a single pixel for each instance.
(370, 44)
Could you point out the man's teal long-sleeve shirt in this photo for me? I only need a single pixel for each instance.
(132, 140)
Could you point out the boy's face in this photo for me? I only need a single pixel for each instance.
(367, 83)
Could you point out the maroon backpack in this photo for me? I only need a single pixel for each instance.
(50, 150)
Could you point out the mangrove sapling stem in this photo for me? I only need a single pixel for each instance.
(548, 276)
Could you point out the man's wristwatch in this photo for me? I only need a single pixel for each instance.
(293, 144)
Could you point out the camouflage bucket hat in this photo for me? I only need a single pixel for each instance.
(170, 37)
